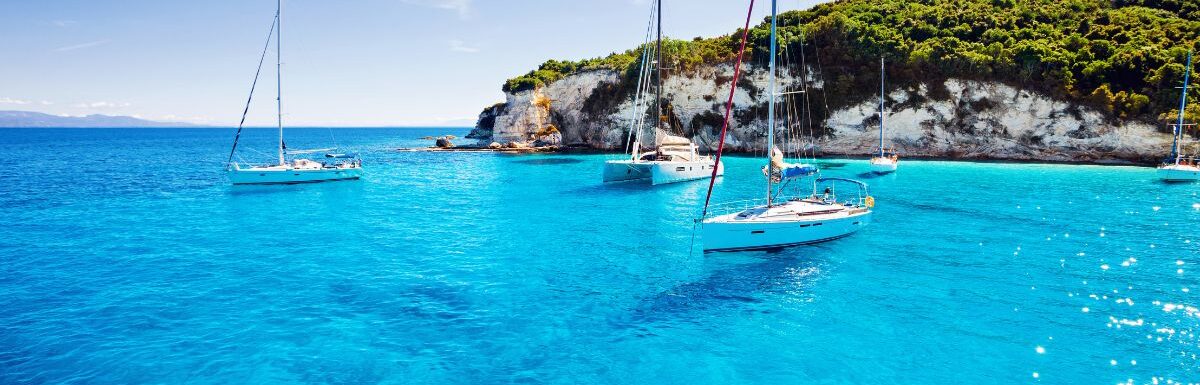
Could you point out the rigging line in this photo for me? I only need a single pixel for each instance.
(642, 106)
(804, 83)
(644, 85)
(795, 116)
(658, 87)
(787, 105)
(824, 97)
(634, 120)
(645, 76)
(257, 72)
(737, 73)
(807, 101)
(637, 94)
(279, 76)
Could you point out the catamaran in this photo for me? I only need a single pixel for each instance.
(804, 217)
(885, 161)
(335, 165)
(672, 158)
(1178, 168)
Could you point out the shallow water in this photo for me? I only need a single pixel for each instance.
(128, 259)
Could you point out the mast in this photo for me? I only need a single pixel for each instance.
(1182, 104)
(771, 109)
(881, 117)
(279, 74)
(658, 74)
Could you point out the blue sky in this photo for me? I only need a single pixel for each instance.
(346, 63)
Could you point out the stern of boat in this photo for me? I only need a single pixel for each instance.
(883, 165)
(625, 170)
(1178, 173)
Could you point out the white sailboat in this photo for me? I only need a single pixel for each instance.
(884, 161)
(672, 158)
(787, 220)
(335, 165)
(1178, 168)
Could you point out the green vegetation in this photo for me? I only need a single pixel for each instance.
(1124, 57)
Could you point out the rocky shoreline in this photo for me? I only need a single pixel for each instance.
(581, 150)
(956, 119)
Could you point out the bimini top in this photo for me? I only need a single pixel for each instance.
(857, 182)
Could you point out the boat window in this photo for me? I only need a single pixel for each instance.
(817, 224)
(679, 169)
(757, 232)
(805, 225)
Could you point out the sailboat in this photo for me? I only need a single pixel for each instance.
(784, 219)
(1178, 168)
(335, 165)
(672, 158)
(884, 161)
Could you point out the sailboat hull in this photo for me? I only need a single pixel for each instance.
(883, 165)
(285, 175)
(783, 228)
(626, 170)
(659, 172)
(674, 172)
(1178, 173)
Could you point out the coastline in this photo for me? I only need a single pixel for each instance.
(749, 154)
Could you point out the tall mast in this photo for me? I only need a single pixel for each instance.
(279, 74)
(771, 109)
(881, 117)
(1182, 104)
(658, 75)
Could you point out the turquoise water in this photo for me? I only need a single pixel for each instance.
(126, 258)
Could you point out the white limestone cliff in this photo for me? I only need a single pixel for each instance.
(977, 120)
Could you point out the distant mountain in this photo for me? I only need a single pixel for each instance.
(37, 119)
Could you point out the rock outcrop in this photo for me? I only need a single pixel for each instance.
(948, 118)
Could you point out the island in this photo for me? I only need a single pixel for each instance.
(1059, 81)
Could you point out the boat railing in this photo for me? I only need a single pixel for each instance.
(862, 197)
(324, 162)
(731, 207)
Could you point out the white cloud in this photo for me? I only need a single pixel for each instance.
(458, 46)
(81, 46)
(13, 101)
(462, 7)
(100, 105)
(63, 23)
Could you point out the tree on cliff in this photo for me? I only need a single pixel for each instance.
(1123, 57)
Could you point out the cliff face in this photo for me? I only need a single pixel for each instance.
(952, 118)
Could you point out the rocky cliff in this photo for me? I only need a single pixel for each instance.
(945, 118)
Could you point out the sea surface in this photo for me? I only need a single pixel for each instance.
(126, 257)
